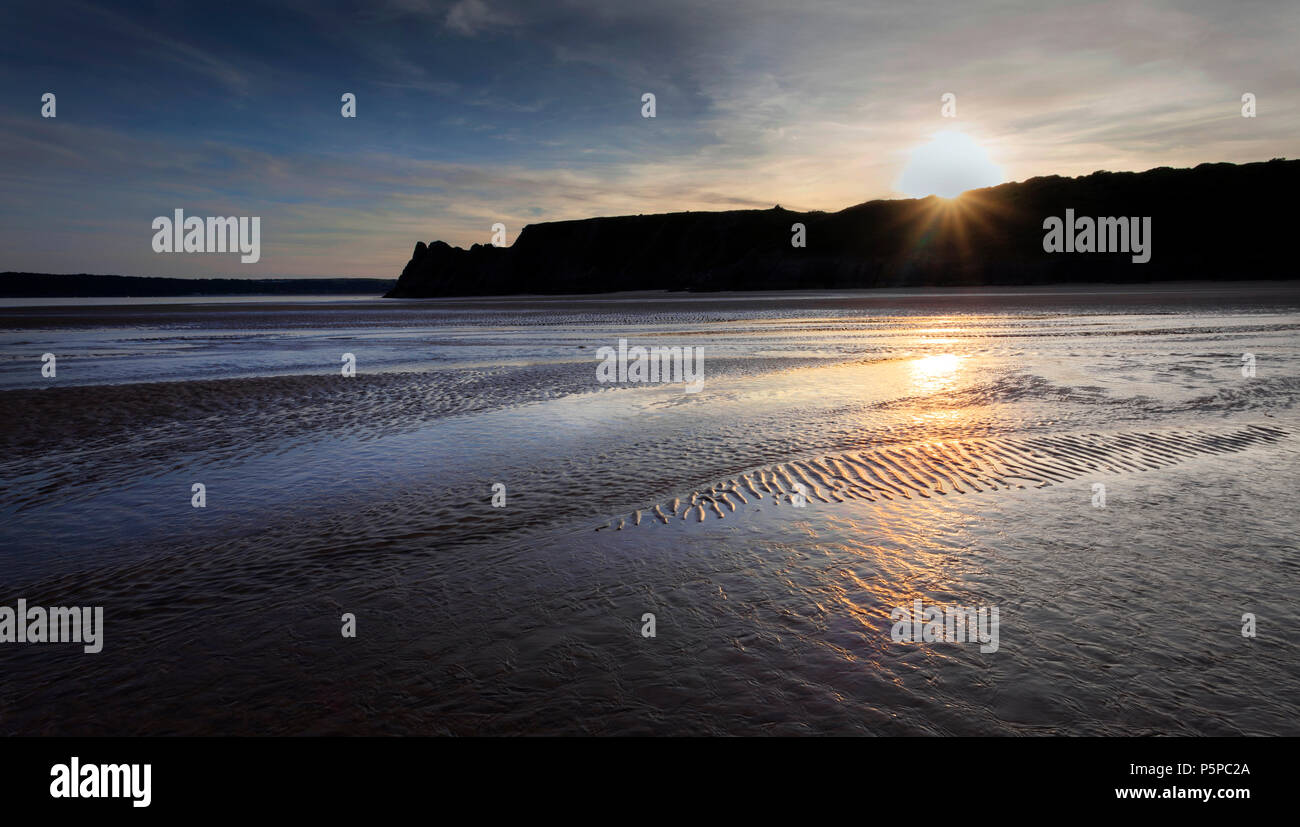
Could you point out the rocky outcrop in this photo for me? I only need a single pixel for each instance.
(1216, 221)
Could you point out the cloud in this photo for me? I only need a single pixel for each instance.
(168, 47)
(470, 17)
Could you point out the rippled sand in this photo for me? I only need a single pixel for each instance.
(946, 447)
(941, 468)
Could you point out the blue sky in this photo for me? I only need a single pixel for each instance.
(471, 112)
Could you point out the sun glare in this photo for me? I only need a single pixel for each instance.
(951, 163)
(931, 374)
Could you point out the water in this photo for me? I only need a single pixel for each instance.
(948, 444)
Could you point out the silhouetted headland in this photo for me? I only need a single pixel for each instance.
(1216, 221)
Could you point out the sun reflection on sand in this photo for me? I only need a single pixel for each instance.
(931, 374)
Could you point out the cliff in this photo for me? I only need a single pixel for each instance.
(1216, 221)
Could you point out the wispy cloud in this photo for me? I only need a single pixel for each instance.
(470, 17)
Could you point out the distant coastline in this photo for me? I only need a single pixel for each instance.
(1215, 222)
(84, 285)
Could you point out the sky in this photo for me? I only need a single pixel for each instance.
(474, 112)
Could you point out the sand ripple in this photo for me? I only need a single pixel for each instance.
(960, 466)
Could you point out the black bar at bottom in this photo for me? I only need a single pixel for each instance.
(333, 776)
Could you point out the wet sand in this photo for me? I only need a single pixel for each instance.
(948, 447)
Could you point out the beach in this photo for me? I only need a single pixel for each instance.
(499, 516)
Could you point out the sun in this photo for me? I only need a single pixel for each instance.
(951, 163)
